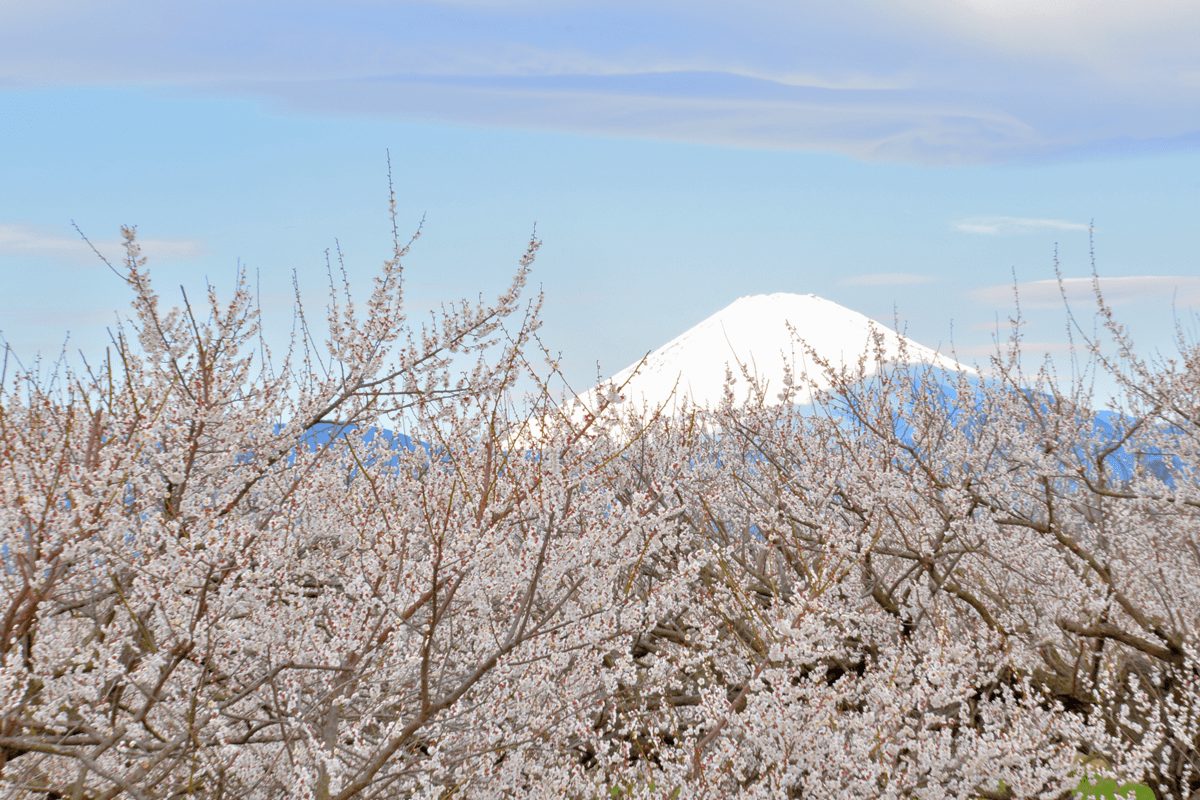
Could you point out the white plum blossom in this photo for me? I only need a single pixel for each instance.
(220, 579)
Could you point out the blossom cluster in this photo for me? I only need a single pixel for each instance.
(220, 579)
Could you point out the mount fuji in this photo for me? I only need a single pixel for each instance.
(760, 336)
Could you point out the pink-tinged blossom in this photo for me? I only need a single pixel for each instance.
(219, 580)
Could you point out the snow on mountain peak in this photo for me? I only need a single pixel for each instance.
(762, 334)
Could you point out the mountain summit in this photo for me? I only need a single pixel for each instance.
(761, 335)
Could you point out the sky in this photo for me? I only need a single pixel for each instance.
(913, 160)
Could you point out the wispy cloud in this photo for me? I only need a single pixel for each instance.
(886, 279)
(1183, 290)
(891, 81)
(30, 240)
(723, 108)
(1000, 226)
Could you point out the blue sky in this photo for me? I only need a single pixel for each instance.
(903, 158)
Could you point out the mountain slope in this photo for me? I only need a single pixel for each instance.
(759, 335)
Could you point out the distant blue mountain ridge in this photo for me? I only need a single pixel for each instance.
(931, 384)
(942, 387)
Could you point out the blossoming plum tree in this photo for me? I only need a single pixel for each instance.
(220, 580)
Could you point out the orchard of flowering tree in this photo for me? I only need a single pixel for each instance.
(921, 586)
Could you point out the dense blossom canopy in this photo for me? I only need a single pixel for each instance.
(924, 586)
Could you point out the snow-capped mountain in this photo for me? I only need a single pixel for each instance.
(762, 334)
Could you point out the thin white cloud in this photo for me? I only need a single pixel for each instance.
(948, 81)
(710, 108)
(886, 279)
(1182, 290)
(1112, 37)
(59, 318)
(29, 240)
(1000, 226)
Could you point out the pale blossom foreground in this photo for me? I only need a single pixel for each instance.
(924, 588)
